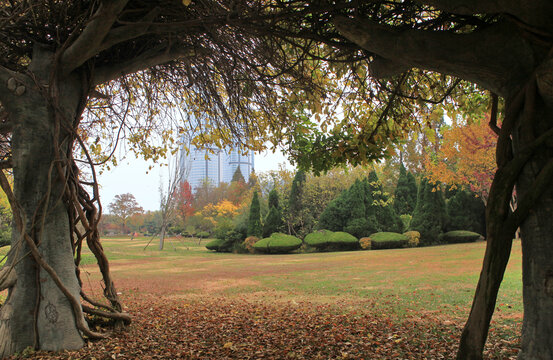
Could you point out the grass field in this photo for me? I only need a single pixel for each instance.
(431, 279)
(190, 303)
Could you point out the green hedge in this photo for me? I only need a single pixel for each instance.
(277, 243)
(329, 240)
(459, 236)
(388, 240)
(319, 239)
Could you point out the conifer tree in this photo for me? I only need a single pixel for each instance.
(465, 211)
(254, 220)
(429, 214)
(273, 221)
(237, 176)
(386, 217)
(295, 203)
(405, 196)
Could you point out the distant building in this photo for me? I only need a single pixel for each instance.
(214, 165)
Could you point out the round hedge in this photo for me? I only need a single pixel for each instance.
(388, 240)
(459, 236)
(277, 243)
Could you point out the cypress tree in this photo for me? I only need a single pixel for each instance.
(405, 195)
(430, 213)
(295, 203)
(273, 221)
(254, 220)
(465, 211)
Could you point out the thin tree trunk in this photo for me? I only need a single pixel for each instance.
(162, 238)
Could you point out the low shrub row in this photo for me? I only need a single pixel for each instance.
(326, 240)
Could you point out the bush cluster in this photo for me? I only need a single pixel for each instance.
(414, 238)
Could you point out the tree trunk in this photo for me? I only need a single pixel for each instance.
(537, 248)
(36, 313)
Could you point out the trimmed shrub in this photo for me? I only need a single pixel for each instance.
(343, 241)
(215, 244)
(327, 240)
(460, 236)
(388, 240)
(319, 239)
(365, 243)
(414, 238)
(278, 243)
(250, 242)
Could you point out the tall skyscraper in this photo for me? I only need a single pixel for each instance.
(214, 166)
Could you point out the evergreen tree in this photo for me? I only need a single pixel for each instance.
(405, 196)
(359, 208)
(382, 208)
(295, 203)
(465, 211)
(254, 220)
(273, 221)
(335, 215)
(430, 213)
(237, 176)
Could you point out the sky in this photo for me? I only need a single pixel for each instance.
(133, 176)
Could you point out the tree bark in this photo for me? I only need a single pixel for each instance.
(36, 313)
(537, 249)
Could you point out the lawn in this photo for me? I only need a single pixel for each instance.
(188, 302)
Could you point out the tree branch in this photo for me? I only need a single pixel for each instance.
(381, 68)
(128, 32)
(88, 42)
(147, 60)
(531, 13)
(490, 57)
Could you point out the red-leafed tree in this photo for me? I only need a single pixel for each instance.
(183, 200)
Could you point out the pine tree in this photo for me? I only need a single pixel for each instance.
(273, 221)
(405, 196)
(430, 213)
(237, 176)
(254, 220)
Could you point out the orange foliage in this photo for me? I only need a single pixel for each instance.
(466, 157)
